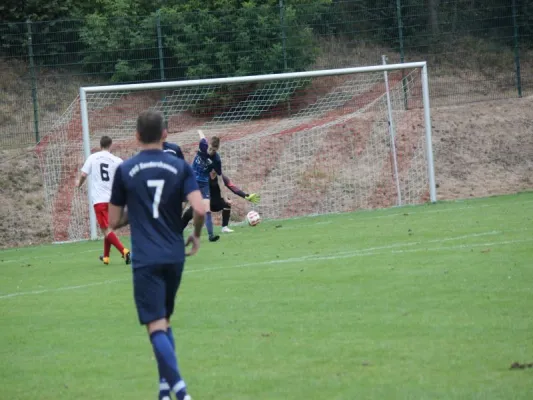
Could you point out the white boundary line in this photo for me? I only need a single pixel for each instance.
(58, 254)
(60, 289)
(362, 253)
(354, 216)
(372, 251)
(317, 223)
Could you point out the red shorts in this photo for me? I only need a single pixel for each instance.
(102, 216)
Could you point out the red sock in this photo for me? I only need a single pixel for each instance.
(107, 247)
(113, 239)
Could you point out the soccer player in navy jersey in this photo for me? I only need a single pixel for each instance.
(173, 149)
(148, 191)
(206, 160)
(219, 203)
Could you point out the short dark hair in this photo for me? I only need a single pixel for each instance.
(105, 142)
(215, 141)
(150, 126)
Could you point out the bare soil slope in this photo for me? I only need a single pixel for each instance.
(483, 149)
(23, 216)
(480, 149)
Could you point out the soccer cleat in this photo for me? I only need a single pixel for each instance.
(187, 397)
(127, 256)
(225, 229)
(105, 260)
(214, 238)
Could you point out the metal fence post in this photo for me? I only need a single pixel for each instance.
(516, 51)
(283, 33)
(33, 83)
(284, 44)
(161, 62)
(160, 46)
(402, 56)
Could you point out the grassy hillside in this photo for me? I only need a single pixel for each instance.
(481, 148)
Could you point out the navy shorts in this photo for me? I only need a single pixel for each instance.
(204, 189)
(154, 289)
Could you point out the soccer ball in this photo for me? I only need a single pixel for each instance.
(253, 218)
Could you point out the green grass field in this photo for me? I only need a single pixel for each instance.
(429, 302)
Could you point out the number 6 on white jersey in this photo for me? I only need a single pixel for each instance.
(158, 185)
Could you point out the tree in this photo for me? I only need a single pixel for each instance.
(198, 42)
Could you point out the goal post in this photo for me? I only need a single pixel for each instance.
(311, 142)
(86, 153)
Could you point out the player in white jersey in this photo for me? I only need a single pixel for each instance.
(101, 167)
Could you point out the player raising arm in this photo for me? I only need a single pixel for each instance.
(101, 167)
(152, 185)
(218, 203)
(206, 160)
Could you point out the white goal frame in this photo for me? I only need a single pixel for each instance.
(422, 65)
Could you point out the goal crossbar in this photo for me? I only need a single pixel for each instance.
(252, 78)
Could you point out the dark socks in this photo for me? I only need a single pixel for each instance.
(167, 363)
(164, 387)
(209, 223)
(225, 216)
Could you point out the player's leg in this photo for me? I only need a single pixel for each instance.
(226, 213)
(164, 387)
(107, 249)
(173, 280)
(209, 223)
(150, 292)
(204, 189)
(110, 235)
(218, 205)
(100, 211)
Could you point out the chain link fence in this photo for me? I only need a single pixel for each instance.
(476, 50)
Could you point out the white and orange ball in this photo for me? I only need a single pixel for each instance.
(253, 218)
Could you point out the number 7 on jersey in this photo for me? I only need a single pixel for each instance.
(158, 184)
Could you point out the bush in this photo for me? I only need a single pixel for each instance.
(198, 44)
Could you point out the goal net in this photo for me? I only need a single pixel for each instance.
(310, 143)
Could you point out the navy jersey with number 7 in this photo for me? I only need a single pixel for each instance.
(153, 184)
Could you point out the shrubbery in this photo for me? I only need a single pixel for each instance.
(198, 42)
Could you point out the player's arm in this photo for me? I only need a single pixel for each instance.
(179, 153)
(204, 144)
(118, 217)
(252, 197)
(85, 172)
(81, 179)
(173, 149)
(194, 197)
(220, 183)
(223, 193)
(217, 167)
(197, 204)
(229, 184)
(118, 214)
